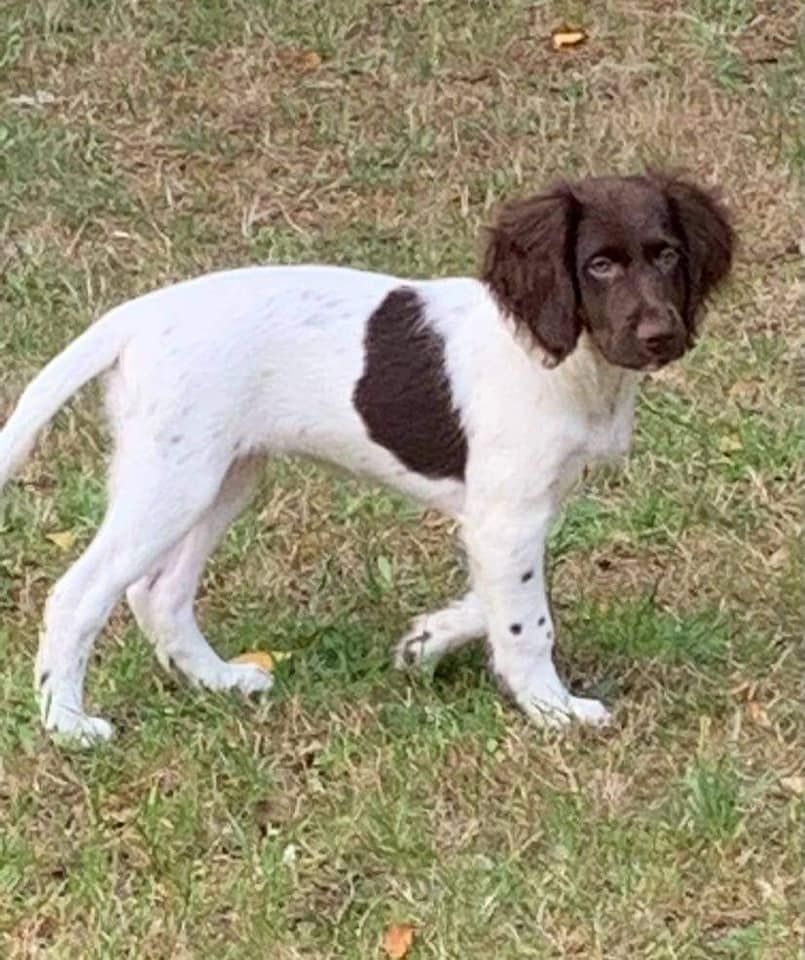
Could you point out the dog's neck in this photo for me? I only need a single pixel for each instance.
(593, 380)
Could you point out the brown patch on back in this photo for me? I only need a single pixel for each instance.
(404, 395)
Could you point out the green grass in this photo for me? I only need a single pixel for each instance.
(140, 143)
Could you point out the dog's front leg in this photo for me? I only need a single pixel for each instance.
(506, 547)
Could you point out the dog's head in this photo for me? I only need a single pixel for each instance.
(631, 259)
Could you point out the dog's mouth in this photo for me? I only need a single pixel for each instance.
(633, 358)
(628, 352)
(620, 344)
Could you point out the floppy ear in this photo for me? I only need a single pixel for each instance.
(529, 265)
(704, 225)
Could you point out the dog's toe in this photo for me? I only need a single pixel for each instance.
(590, 711)
(245, 677)
(77, 727)
(414, 650)
(553, 712)
(548, 716)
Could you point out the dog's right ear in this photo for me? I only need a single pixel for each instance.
(529, 265)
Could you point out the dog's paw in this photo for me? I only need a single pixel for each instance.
(76, 727)
(589, 711)
(418, 647)
(553, 710)
(245, 677)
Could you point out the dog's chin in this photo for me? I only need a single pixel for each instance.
(639, 362)
(653, 364)
(629, 361)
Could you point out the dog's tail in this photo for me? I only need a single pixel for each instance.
(89, 355)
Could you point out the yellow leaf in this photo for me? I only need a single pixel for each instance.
(260, 658)
(397, 940)
(794, 784)
(309, 61)
(729, 444)
(64, 540)
(757, 714)
(567, 38)
(745, 390)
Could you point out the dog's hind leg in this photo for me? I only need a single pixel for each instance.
(162, 601)
(156, 498)
(433, 635)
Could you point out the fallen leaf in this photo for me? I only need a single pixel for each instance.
(64, 540)
(757, 713)
(567, 38)
(729, 444)
(397, 940)
(794, 784)
(745, 390)
(303, 61)
(260, 658)
(309, 61)
(779, 558)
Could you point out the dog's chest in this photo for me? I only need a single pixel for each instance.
(609, 434)
(606, 426)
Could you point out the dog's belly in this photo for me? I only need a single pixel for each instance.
(351, 450)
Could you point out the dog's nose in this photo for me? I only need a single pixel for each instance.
(655, 334)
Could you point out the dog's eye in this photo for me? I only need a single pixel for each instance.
(667, 259)
(602, 268)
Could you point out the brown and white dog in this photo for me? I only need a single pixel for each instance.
(482, 397)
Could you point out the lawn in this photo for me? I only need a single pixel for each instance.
(142, 142)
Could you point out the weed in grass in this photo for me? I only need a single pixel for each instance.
(713, 798)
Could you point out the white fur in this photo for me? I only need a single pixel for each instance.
(208, 376)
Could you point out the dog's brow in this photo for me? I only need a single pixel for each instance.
(654, 244)
(611, 251)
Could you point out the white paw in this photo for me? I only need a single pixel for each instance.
(590, 711)
(549, 716)
(553, 710)
(76, 726)
(245, 677)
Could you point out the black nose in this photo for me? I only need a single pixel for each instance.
(656, 335)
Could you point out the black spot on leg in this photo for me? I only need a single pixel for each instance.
(44, 678)
(516, 628)
(176, 438)
(527, 576)
(403, 395)
(541, 622)
(171, 664)
(409, 656)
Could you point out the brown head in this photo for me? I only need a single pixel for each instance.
(630, 259)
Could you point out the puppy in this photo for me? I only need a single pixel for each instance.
(484, 398)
